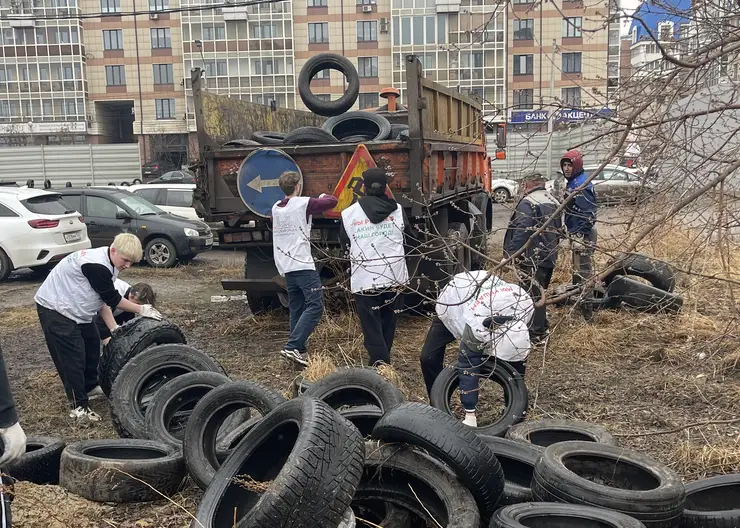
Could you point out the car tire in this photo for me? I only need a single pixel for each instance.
(137, 181)
(501, 195)
(713, 502)
(125, 184)
(381, 513)
(307, 453)
(516, 396)
(544, 433)
(549, 514)
(517, 459)
(160, 253)
(131, 339)
(356, 386)
(364, 417)
(240, 143)
(5, 265)
(396, 130)
(308, 135)
(658, 273)
(610, 477)
(324, 61)
(268, 138)
(140, 379)
(624, 292)
(121, 470)
(451, 442)
(358, 126)
(40, 463)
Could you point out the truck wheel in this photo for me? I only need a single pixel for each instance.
(457, 239)
(160, 253)
(260, 303)
(328, 61)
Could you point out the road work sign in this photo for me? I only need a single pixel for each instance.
(259, 176)
(350, 186)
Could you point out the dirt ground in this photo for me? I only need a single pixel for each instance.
(635, 374)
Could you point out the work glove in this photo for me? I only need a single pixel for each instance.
(14, 443)
(577, 243)
(147, 310)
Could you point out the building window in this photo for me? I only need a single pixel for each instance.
(318, 3)
(523, 64)
(161, 38)
(318, 33)
(368, 100)
(571, 63)
(367, 31)
(115, 75)
(158, 5)
(367, 66)
(572, 97)
(366, 2)
(113, 39)
(524, 99)
(524, 29)
(165, 108)
(163, 74)
(323, 74)
(263, 30)
(110, 6)
(572, 27)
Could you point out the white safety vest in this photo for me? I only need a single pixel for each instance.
(291, 236)
(67, 291)
(471, 297)
(121, 287)
(376, 251)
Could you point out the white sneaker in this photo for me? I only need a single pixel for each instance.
(84, 413)
(470, 420)
(95, 393)
(295, 356)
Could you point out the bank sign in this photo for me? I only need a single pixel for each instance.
(540, 116)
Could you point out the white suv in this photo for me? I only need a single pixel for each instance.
(174, 198)
(37, 229)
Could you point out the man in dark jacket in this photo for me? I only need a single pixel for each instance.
(13, 439)
(580, 217)
(535, 264)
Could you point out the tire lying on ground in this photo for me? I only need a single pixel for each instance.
(570, 515)
(140, 379)
(131, 339)
(517, 459)
(450, 441)
(610, 477)
(544, 433)
(40, 462)
(364, 417)
(302, 452)
(228, 441)
(657, 272)
(264, 137)
(208, 417)
(328, 61)
(516, 397)
(713, 502)
(380, 513)
(406, 477)
(358, 126)
(356, 386)
(630, 293)
(121, 470)
(307, 135)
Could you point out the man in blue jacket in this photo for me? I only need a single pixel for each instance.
(580, 217)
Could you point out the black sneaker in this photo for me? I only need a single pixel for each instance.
(295, 356)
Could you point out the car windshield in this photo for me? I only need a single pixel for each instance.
(47, 204)
(140, 206)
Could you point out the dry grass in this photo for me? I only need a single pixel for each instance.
(695, 460)
(319, 366)
(249, 484)
(20, 317)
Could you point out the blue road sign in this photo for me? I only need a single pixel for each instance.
(258, 178)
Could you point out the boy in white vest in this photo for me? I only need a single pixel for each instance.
(79, 287)
(139, 293)
(375, 230)
(291, 243)
(489, 317)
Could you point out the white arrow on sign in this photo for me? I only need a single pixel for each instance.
(258, 183)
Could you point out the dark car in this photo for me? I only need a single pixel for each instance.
(155, 169)
(175, 176)
(166, 238)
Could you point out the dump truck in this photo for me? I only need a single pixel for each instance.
(439, 173)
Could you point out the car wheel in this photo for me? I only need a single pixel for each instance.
(160, 253)
(5, 266)
(137, 181)
(501, 195)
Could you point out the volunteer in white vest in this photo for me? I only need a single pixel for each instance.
(79, 287)
(376, 230)
(489, 317)
(139, 293)
(291, 243)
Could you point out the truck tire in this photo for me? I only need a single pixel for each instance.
(517, 459)
(328, 61)
(304, 453)
(481, 227)
(544, 433)
(657, 272)
(131, 339)
(713, 502)
(548, 514)
(160, 253)
(140, 379)
(516, 397)
(451, 442)
(307, 135)
(356, 386)
(259, 302)
(636, 295)
(358, 126)
(40, 463)
(457, 240)
(121, 470)
(610, 477)
(268, 138)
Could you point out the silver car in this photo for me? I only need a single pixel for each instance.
(617, 184)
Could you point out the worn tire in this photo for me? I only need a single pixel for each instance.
(40, 462)
(356, 386)
(713, 503)
(209, 415)
(307, 135)
(406, 477)
(121, 470)
(372, 127)
(172, 406)
(240, 143)
(396, 130)
(264, 137)
(516, 396)
(610, 477)
(657, 272)
(451, 442)
(544, 433)
(364, 417)
(566, 515)
(328, 61)
(308, 454)
(380, 513)
(517, 459)
(131, 339)
(636, 295)
(228, 442)
(139, 380)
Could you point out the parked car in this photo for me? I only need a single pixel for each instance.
(503, 190)
(173, 198)
(166, 238)
(617, 184)
(176, 176)
(155, 169)
(37, 229)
